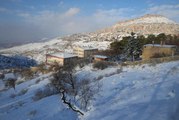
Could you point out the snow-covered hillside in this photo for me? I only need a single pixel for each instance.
(148, 19)
(140, 93)
(37, 51)
(146, 92)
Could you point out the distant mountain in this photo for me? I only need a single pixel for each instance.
(145, 25)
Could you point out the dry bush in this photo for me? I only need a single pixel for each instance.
(48, 90)
(54, 67)
(10, 83)
(32, 113)
(12, 95)
(100, 65)
(2, 76)
(86, 92)
(37, 81)
(22, 92)
(64, 81)
(82, 62)
(27, 74)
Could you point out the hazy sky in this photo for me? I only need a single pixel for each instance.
(33, 20)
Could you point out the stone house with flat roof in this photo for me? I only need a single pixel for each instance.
(60, 58)
(151, 50)
(84, 52)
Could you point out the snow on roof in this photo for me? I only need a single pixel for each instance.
(63, 55)
(100, 56)
(159, 45)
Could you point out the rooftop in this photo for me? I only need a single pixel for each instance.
(159, 45)
(63, 55)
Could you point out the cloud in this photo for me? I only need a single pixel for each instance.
(71, 12)
(48, 24)
(61, 3)
(111, 16)
(24, 14)
(170, 11)
(68, 22)
(4, 10)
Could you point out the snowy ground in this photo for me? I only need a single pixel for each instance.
(23, 107)
(147, 92)
(139, 93)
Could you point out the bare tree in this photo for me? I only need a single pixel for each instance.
(74, 91)
(10, 83)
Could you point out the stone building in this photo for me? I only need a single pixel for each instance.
(158, 50)
(60, 58)
(84, 52)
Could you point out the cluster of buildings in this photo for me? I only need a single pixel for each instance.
(63, 58)
(149, 51)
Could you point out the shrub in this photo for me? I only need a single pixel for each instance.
(27, 74)
(82, 62)
(12, 95)
(100, 65)
(22, 92)
(2, 75)
(48, 90)
(37, 81)
(10, 83)
(32, 113)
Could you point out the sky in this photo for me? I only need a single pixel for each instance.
(37, 20)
